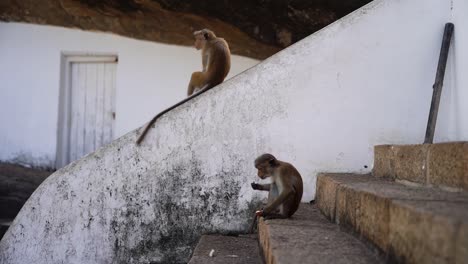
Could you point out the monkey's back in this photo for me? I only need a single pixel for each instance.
(219, 66)
(296, 180)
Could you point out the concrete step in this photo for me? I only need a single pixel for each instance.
(308, 237)
(443, 165)
(409, 224)
(4, 225)
(227, 250)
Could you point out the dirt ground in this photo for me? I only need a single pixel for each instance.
(17, 183)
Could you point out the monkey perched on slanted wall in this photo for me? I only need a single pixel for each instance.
(285, 189)
(216, 61)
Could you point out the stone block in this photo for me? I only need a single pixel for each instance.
(311, 238)
(420, 232)
(326, 195)
(448, 165)
(383, 162)
(441, 164)
(264, 241)
(409, 224)
(347, 207)
(372, 221)
(410, 163)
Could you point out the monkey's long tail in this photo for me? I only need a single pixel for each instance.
(147, 128)
(150, 124)
(254, 223)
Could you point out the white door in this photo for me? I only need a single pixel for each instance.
(91, 107)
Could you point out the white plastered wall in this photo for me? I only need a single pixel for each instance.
(322, 104)
(150, 77)
(452, 122)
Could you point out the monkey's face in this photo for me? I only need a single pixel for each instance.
(199, 41)
(264, 171)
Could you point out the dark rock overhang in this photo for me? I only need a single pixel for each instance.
(253, 28)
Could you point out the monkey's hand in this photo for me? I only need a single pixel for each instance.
(255, 186)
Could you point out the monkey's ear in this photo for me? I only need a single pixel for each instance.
(206, 35)
(272, 162)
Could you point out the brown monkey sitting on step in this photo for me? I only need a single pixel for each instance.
(285, 189)
(216, 61)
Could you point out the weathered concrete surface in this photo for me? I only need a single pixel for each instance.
(308, 237)
(411, 225)
(227, 250)
(441, 164)
(129, 204)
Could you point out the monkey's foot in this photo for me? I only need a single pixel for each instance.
(275, 216)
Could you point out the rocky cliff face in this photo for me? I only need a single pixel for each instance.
(253, 28)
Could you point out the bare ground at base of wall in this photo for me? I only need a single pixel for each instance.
(17, 183)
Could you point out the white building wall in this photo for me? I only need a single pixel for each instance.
(452, 123)
(321, 104)
(150, 77)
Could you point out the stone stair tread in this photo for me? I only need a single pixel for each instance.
(440, 164)
(421, 198)
(408, 223)
(227, 250)
(309, 237)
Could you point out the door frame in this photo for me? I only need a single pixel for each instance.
(64, 105)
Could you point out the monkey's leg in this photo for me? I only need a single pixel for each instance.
(197, 80)
(283, 197)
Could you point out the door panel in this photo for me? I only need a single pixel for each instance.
(92, 107)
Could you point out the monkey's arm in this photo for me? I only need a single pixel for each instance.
(204, 62)
(261, 187)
